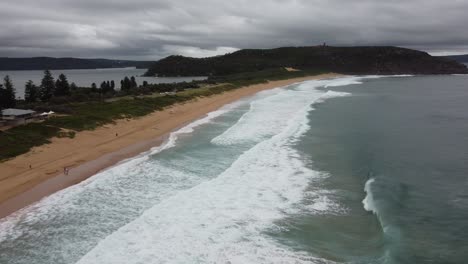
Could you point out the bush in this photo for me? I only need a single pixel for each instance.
(21, 139)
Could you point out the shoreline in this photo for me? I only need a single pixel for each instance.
(96, 150)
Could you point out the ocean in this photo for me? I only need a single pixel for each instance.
(86, 77)
(348, 170)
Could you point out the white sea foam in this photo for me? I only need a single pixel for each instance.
(350, 80)
(171, 142)
(392, 232)
(271, 113)
(331, 94)
(214, 221)
(223, 220)
(267, 119)
(344, 81)
(368, 201)
(459, 74)
(106, 182)
(322, 204)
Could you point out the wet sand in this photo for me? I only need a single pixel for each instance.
(92, 151)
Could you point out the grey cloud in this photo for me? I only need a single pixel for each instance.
(151, 29)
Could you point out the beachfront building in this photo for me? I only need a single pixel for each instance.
(14, 117)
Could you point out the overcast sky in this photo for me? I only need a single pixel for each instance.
(151, 29)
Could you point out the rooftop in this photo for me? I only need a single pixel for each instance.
(16, 112)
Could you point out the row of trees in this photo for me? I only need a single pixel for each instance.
(126, 85)
(60, 90)
(107, 87)
(49, 88)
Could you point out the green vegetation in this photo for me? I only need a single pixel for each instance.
(31, 92)
(7, 93)
(21, 139)
(47, 88)
(62, 87)
(86, 116)
(95, 111)
(248, 78)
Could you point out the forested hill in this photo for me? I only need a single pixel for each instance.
(48, 63)
(346, 60)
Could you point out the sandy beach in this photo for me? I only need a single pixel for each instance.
(40, 172)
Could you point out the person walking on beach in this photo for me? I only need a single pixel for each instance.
(65, 170)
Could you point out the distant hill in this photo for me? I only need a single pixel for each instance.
(48, 63)
(459, 58)
(346, 60)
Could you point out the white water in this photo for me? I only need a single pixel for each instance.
(72, 220)
(197, 205)
(368, 201)
(223, 220)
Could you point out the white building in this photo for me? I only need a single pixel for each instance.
(14, 117)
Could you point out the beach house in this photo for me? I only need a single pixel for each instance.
(14, 117)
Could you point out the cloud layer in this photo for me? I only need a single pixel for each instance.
(151, 29)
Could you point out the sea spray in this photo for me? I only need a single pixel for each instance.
(368, 202)
(391, 233)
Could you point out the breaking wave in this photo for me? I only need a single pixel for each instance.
(224, 220)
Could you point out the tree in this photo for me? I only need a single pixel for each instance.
(133, 83)
(107, 87)
(2, 97)
(73, 87)
(7, 94)
(126, 84)
(94, 87)
(104, 87)
(145, 83)
(47, 88)
(62, 87)
(112, 85)
(31, 92)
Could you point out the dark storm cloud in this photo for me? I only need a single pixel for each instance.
(150, 29)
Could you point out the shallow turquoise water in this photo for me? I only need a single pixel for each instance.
(277, 178)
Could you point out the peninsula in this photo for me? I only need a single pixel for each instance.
(344, 60)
